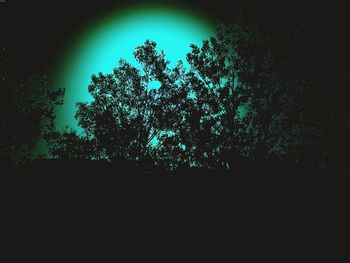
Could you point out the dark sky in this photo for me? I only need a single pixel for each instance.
(36, 30)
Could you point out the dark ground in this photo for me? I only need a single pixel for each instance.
(69, 171)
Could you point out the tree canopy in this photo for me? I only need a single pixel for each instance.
(27, 116)
(236, 100)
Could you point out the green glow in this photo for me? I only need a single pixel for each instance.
(99, 48)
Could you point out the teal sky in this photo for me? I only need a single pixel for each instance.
(99, 46)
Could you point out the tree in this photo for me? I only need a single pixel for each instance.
(125, 114)
(26, 112)
(69, 145)
(225, 87)
(237, 100)
(281, 113)
(243, 101)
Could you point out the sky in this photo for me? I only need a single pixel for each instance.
(114, 36)
(38, 32)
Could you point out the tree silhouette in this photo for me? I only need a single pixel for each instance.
(68, 145)
(26, 112)
(232, 99)
(124, 116)
(238, 100)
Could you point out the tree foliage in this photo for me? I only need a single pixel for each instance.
(27, 116)
(236, 100)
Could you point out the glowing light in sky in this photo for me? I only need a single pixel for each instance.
(99, 47)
